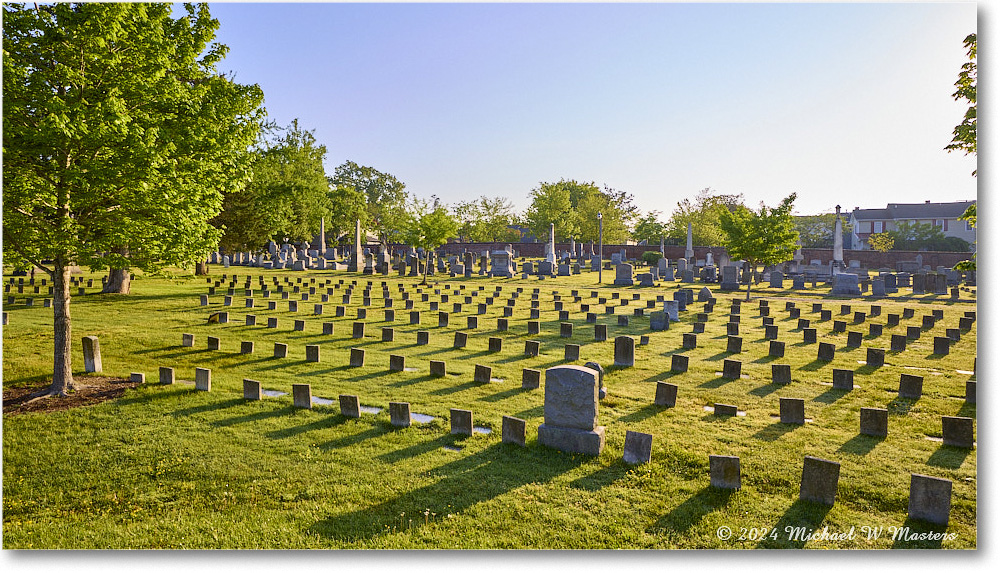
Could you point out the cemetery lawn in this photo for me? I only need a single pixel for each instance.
(166, 466)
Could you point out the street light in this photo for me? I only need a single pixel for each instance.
(600, 247)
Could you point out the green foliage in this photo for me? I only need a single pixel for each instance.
(881, 242)
(487, 219)
(573, 208)
(286, 197)
(651, 257)
(914, 236)
(969, 215)
(816, 231)
(965, 133)
(118, 132)
(427, 226)
(385, 198)
(649, 228)
(704, 214)
(347, 205)
(764, 237)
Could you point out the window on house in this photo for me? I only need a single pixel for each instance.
(939, 223)
(968, 226)
(877, 227)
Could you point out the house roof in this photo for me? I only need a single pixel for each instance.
(925, 210)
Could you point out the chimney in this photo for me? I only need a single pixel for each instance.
(927, 202)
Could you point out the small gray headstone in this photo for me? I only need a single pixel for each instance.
(399, 414)
(251, 389)
(724, 472)
(350, 406)
(301, 396)
(513, 431)
(875, 422)
(203, 379)
(666, 394)
(792, 410)
(461, 422)
(957, 431)
(638, 447)
(819, 480)
(930, 499)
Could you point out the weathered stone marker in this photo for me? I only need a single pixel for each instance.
(911, 386)
(302, 396)
(792, 410)
(312, 353)
(203, 379)
(875, 357)
(438, 368)
(251, 389)
(512, 430)
(731, 369)
(666, 394)
(91, 354)
(213, 343)
(357, 357)
(930, 499)
(397, 363)
(166, 375)
(638, 447)
(461, 422)
(843, 379)
(482, 374)
(137, 377)
(530, 378)
(399, 414)
(350, 406)
(725, 410)
(571, 401)
(957, 431)
(724, 472)
(819, 480)
(875, 422)
(624, 351)
(781, 374)
(678, 363)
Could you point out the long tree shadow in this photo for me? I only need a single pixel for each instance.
(967, 410)
(910, 533)
(147, 398)
(421, 448)
(814, 365)
(208, 407)
(767, 389)
(801, 519)
(950, 457)
(465, 482)
(717, 382)
(503, 395)
(647, 411)
(861, 444)
(378, 429)
(256, 416)
(693, 509)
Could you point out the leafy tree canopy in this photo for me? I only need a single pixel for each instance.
(816, 231)
(573, 208)
(704, 214)
(965, 133)
(881, 242)
(427, 225)
(487, 219)
(912, 236)
(385, 198)
(287, 194)
(649, 228)
(763, 237)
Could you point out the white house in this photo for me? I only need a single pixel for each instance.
(864, 222)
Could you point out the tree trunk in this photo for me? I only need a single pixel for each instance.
(62, 372)
(750, 279)
(119, 282)
(427, 262)
(201, 268)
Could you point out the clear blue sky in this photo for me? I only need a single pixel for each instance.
(841, 103)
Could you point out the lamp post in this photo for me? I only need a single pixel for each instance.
(600, 247)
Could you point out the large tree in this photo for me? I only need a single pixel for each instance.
(649, 228)
(573, 208)
(486, 219)
(816, 231)
(428, 226)
(763, 237)
(965, 132)
(286, 197)
(703, 214)
(119, 140)
(385, 198)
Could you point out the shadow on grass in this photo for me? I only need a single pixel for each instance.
(774, 431)
(375, 431)
(325, 422)
(455, 389)
(503, 395)
(767, 389)
(814, 365)
(801, 519)
(283, 411)
(900, 406)
(830, 396)
(465, 482)
(908, 536)
(693, 509)
(176, 390)
(602, 477)
(861, 444)
(647, 411)
(949, 457)
(208, 407)
(967, 410)
(715, 382)
(530, 412)
(420, 448)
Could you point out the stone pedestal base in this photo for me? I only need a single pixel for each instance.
(572, 439)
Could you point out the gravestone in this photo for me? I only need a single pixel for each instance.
(930, 499)
(624, 351)
(776, 349)
(91, 354)
(731, 369)
(724, 472)
(530, 378)
(513, 430)
(875, 422)
(911, 386)
(678, 363)
(280, 350)
(203, 379)
(638, 447)
(399, 414)
(957, 431)
(623, 275)
(246, 347)
(846, 284)
(302, 396)
(843, 379)
(875, 357)
(819, 480)
(251, 389)
(781, 374)
(461, 422)
(571, 408)
(357, 358)
(792, 410)
(666, 394)
(350, 406)
(166, 375)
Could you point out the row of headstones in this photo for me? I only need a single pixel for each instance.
(956, 430)
(929, 498)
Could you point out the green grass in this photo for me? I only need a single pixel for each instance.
(169, 467)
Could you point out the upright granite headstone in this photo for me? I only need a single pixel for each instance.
(571, 405)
